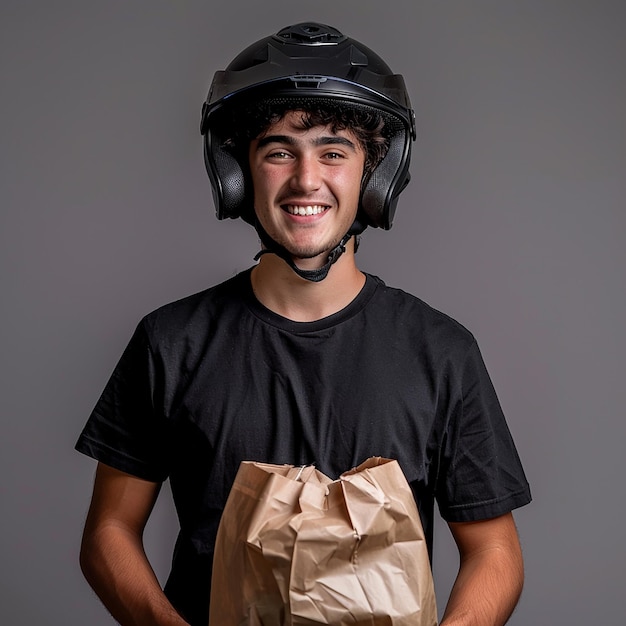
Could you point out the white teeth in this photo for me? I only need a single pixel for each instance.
(305, 210)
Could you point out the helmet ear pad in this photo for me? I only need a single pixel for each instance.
(231, 185)
(379, 196)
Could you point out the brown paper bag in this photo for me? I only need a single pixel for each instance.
(296, 549)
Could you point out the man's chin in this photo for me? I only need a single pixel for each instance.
(311, 253)
(313, 258)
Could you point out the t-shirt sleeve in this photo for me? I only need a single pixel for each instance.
(125, 429)
(481, 475)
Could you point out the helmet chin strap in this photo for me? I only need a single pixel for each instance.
(314, 276)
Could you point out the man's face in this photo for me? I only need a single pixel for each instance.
(306, 185)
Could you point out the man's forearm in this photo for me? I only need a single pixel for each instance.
(488, 585)
(115, 565)
(485, 592)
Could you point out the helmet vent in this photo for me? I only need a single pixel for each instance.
(311, 34)
(305, 81)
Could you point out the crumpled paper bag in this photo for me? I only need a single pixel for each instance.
(295, 548)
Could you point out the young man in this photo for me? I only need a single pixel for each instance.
(303, 358)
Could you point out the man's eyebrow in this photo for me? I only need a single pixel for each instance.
(334, 139)
(328, 140)
(264, 141)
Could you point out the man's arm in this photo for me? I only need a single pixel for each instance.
(112, 556)
(491, 573)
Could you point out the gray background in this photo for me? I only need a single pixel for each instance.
(513, 224)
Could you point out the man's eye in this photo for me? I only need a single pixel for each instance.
(333, 155)
(278, 154)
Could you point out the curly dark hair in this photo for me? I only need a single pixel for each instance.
(245, 123)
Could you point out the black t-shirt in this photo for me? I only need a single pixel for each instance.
(217, 378)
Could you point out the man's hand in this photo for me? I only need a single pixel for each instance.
(491, 573)
(112, 556)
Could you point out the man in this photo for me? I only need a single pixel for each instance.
(303, 358)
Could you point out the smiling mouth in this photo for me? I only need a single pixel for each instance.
(309, 209)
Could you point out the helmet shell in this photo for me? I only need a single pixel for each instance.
(300, 62)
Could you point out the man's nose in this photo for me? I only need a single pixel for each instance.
(307, 174)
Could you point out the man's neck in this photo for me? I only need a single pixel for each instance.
(281, 290)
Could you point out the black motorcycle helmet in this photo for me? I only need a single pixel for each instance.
(298, 63)
(305, 61)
